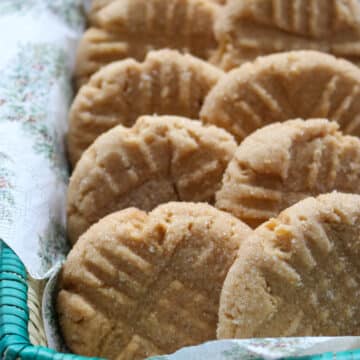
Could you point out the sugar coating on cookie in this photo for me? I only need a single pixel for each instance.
(283, 163)
(138, 284)
(159, 159)
(298, 274)
(299, 84)
(165, 83)
(131, 28)
(248, 29)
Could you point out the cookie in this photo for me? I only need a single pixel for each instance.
(166, 83)
(160, 159)
(98, 5)
(299, 84)
(283, 163)
(138, 284)
(298, 274)
(248, 29)
(220, 2)
(130, 28)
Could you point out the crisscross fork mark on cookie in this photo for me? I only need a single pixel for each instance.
(298, 274)
(97, 5)
(166, 83)
(149, 284)
(159, 159)
(281, 87)
(283, 163)
(131, 28)
(248, 29)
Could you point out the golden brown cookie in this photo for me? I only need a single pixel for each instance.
(130, 28)
(283, 163)
(220, 2)
(299, 84)
(98, 5)
(159, 159)
(166, 83)
(247, 29)
(298, 274)
(138, 284)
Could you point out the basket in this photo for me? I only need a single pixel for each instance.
(21, 330)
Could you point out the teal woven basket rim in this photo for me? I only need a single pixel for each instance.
(14, 316)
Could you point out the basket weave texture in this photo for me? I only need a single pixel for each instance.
(21, 331)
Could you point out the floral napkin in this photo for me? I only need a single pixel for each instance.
(38, 40)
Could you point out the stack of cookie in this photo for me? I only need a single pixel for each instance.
(208, 204)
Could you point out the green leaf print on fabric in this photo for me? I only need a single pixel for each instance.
(18, 6)
(7, 201)
(52, 245)
(26, 87)
(66, 10)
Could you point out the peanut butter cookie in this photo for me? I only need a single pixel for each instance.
(138, 284)
(166, 83)
(97, 5)
(159, 159)
(130, 28)
(247, 29)
(299, 84)
(283, 163)
(220, 2)
(298, 274)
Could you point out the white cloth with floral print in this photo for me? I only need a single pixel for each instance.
(38, 40)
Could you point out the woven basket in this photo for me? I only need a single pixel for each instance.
(21, 329)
